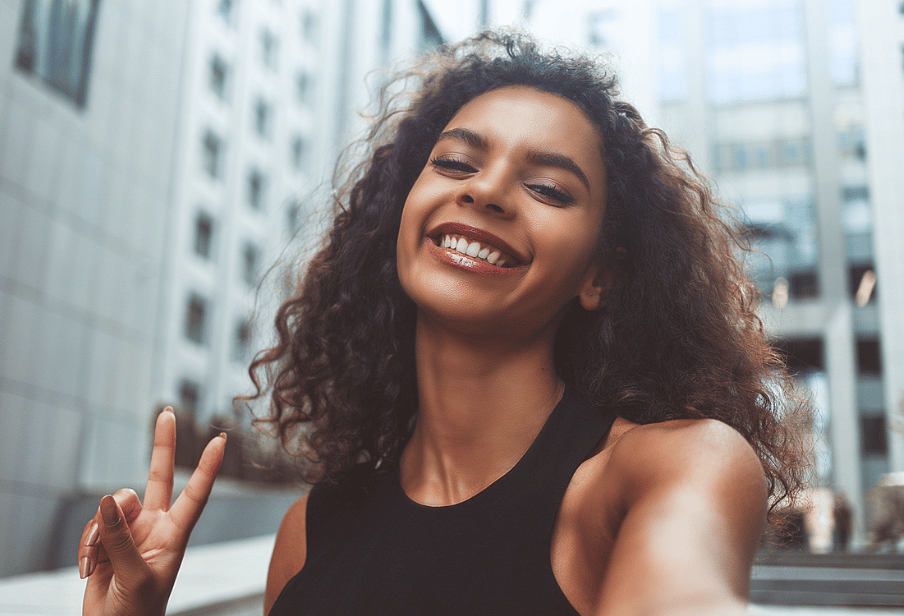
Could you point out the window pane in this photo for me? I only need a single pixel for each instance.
(203, 235)
(195, 319)
(54, 44)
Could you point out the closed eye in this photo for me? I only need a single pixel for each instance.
(551, 192)
(452, 164)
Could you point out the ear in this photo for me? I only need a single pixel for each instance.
(597, 283)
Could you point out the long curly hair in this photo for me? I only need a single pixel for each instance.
(678, 337)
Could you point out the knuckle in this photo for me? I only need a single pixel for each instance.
(194, 494)
(121, 541)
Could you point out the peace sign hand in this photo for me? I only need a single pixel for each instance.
(131, 552)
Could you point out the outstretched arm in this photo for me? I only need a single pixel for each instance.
(694, 507)
(131, 551)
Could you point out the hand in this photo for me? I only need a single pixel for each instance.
(131, 552)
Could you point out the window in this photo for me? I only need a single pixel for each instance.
(309, 25)
(873, 435)
(195, 320)
(262, 118)
(256, 187)
(869, 360)
(269, 48)
(803, 285)
(189, 395)
(302, 85)
(54, 44)
(249, 264)
(203, 235)
(242, 343)
(862, 283)
(212, 154)
(219, 74)
(803, 355)
(226, 9)
(298, 150)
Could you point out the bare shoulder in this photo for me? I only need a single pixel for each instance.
(289, 552)
(688, 504)
(700, 452)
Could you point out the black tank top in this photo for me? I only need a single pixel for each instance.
(371, 550)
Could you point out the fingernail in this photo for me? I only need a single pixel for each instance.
(83, 567)
(169, 409)
(222, 435)
(108, 511)
(93, 535)
(91, 565)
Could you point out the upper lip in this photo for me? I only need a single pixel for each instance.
(473, 233)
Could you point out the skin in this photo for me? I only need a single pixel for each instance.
(131, 551)
(661, 519)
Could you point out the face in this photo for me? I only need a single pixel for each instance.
(498, 233)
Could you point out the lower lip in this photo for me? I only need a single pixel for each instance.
(462, 261)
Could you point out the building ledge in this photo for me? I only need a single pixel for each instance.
(219, 578)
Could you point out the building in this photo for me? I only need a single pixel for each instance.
(89, 113)
(156, 159)
(794, 108)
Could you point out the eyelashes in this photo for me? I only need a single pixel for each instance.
(546, 191)
(452, 164)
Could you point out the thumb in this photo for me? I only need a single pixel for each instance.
(117, 540)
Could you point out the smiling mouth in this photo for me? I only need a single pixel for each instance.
(478, 250)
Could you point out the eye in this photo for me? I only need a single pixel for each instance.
(452, 165)
(550, 192)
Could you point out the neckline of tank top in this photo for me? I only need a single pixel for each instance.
(529, 456)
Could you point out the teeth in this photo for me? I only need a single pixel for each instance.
(473, 249)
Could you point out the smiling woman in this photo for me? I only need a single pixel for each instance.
(525, 371)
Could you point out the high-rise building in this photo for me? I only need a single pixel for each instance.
(155, 159)
(89, 113)
(796, 109)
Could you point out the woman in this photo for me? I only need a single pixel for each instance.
(525, 366)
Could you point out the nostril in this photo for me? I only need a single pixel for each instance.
(494, 207)
(468, 199)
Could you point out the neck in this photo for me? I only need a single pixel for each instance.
(481, 405)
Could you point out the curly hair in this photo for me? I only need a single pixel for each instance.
(678, 337)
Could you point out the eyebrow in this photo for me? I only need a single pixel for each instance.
(537, 157)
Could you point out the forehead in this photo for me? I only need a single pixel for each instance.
(531, 115)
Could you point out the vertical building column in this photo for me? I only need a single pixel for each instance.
(695, 44)
(883, 87)
(840, 357)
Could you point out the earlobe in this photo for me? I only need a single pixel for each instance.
(592, 298)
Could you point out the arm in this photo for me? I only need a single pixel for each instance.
(131, 552)
(289, 552)
(694, 504)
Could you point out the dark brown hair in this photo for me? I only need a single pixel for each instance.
(678, 337)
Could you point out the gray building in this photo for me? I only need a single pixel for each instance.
(785, 104)
(795, 108)
(156, 158)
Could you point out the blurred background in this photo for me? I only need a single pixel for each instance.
(165, 166)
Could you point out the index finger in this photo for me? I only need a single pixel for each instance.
(187, 508)
(159, 492)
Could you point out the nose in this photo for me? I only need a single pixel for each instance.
(488, 190)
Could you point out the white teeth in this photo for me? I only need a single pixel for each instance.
(472, 249)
